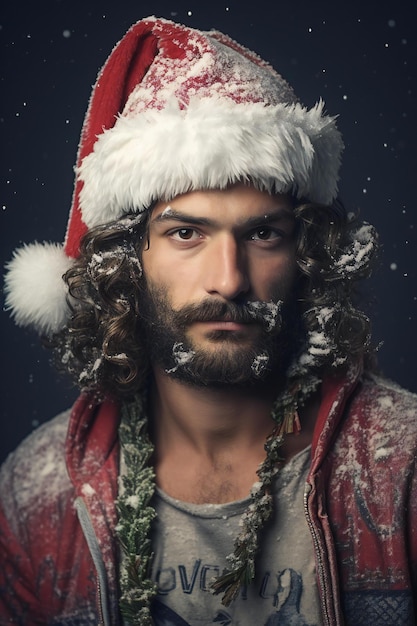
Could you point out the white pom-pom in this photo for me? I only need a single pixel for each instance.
(35, 291)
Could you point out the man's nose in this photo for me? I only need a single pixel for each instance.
(226, 274)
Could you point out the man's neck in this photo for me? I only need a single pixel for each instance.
(209, 442)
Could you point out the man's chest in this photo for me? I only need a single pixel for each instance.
(191, 543)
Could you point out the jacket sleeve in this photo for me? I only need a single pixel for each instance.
(412, 528)
(32, 484)
(371, 499)
(18, 603)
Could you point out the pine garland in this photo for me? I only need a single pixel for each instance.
(136, 516)
(242, 561)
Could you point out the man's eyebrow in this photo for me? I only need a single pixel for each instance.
(172, 214)
(251, 222)
(267, 218)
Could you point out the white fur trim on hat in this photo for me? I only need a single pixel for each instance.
(35, 291)
(158, 154)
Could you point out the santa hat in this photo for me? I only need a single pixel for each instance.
(173, 110)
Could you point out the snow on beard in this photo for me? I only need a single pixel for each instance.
(267, 314)
(233, 361)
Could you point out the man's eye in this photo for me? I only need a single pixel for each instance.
(185, 234)
(265, 234)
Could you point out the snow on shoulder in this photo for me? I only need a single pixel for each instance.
(35, 473)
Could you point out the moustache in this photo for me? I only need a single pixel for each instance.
(266, 314)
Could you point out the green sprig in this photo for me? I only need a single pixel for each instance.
(136, 516)
(242, 561)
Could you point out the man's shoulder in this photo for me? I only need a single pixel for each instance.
(36, 470)
(48, 435)
(384, 398)
(383, 414)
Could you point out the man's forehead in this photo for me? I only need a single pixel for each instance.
(238, 202)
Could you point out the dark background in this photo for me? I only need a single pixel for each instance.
(361, 58)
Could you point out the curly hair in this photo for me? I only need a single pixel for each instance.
(102, 346)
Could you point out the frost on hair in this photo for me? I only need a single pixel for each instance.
(334, 252)
(358, 253)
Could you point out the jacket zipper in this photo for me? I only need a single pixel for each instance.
(100, 608)
(90, 537)
(316, 543)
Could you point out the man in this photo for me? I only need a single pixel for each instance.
(231, 459)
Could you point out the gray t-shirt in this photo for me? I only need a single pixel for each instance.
(191, 542)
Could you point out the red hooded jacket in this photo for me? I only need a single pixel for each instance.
(58, 550)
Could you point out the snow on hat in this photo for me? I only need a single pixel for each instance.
(175, 109)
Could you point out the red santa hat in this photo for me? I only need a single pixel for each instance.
(175, 109)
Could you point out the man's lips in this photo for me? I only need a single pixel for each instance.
(224, 324)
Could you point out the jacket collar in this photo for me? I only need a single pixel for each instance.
(336, 391)
(92, 440)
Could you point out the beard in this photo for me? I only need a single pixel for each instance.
(233, 359)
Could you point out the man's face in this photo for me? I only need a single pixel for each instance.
(219, 273)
